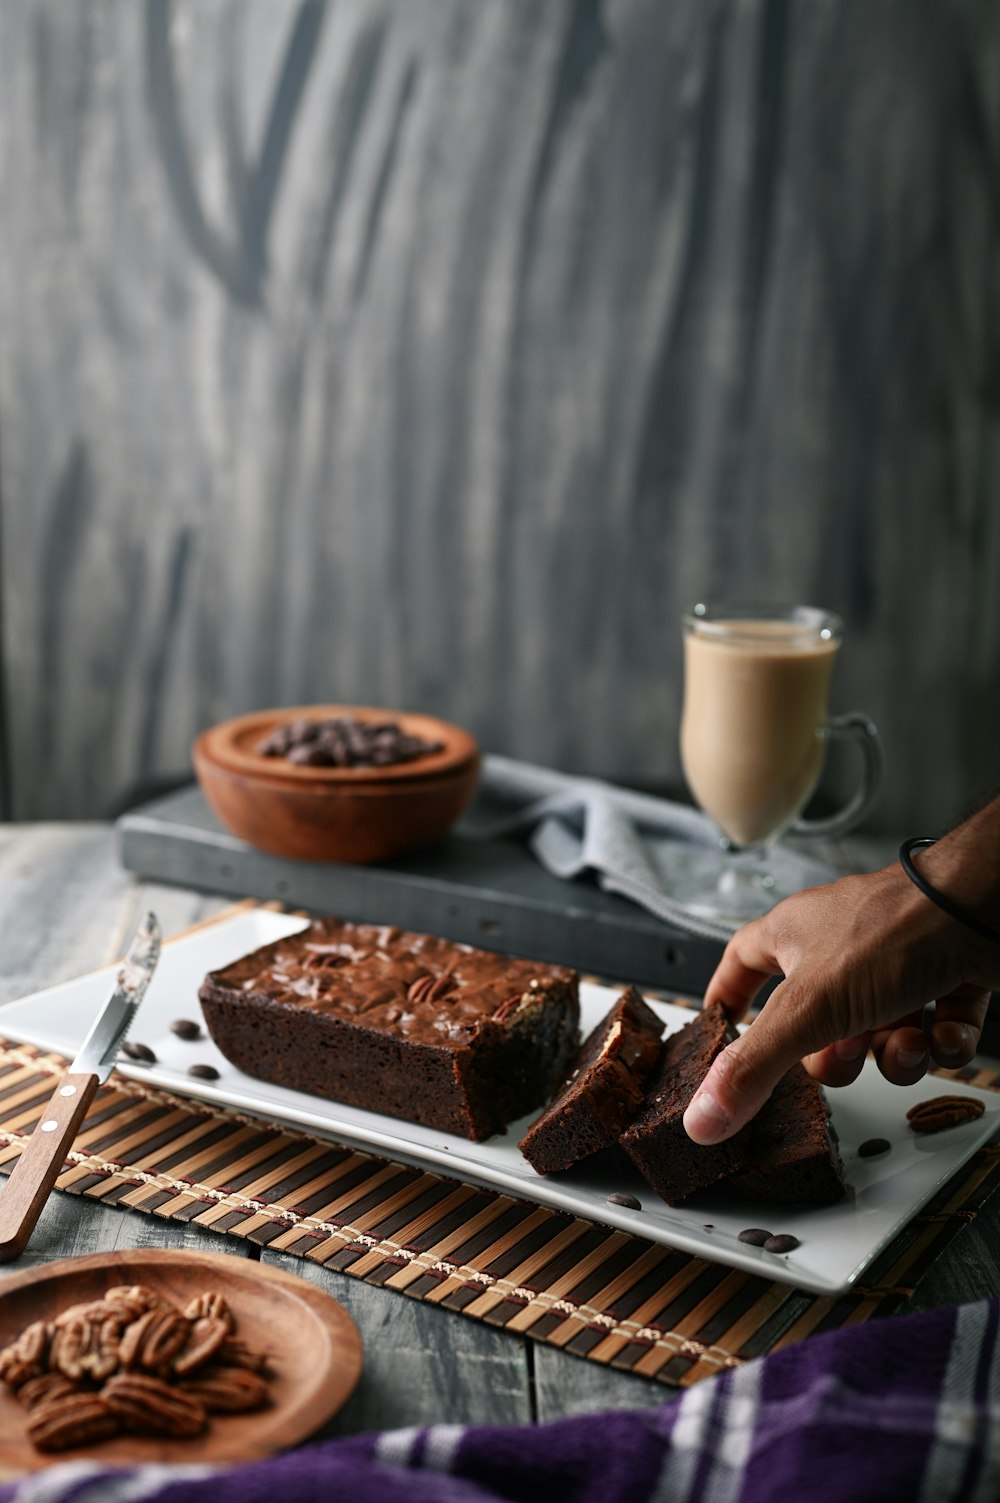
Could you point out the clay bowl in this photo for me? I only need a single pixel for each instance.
(357, 814)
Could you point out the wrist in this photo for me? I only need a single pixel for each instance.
(965, 877)
(963, 892)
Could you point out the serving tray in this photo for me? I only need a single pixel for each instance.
(837, 1242)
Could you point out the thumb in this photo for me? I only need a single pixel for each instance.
(743, 1076)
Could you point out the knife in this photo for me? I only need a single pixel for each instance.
(42, 1158)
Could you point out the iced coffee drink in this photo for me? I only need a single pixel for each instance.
(756, 694)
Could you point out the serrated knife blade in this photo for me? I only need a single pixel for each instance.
(43, 1156)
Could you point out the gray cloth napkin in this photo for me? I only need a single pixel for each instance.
(647, 849)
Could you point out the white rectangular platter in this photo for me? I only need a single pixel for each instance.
(836, 1243)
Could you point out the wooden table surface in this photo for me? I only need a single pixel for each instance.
(67, 907)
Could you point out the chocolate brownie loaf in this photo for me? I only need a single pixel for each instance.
(406, 1024)
(604, 1091)
(656, 1141)
(792, 1157)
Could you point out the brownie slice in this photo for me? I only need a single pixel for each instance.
(656, 1141)
(406, 1024)
(792, 1157)
(605, 1090)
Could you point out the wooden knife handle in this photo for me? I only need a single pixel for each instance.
(41, 1162)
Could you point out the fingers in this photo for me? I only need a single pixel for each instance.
(839, 1064)
(745, 1074)
(956, 1027)
(747, 963)
(902, 1053)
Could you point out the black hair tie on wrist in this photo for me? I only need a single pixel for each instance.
(917, 843)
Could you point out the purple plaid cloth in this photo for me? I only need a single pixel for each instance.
(905, 1408)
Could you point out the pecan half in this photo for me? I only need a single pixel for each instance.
(238, 1353)
(148, 1404)
(154, 1340)
(135, 1294)
(441, 987)
(942, 1112)
(78, 1419)
(86, 1346)
(105, 1348)
(120, 1308)
(26, 1357)
(74, 1348)
(419, 990)
(98, 1310)
(32, 1346)
(507, 1007)
(14, 1372)
(205, 1337)
(44, 1388)
(227, 1390)
(212, 1305)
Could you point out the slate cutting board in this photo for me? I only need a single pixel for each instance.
(491, 893)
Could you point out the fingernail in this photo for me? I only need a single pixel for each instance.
(965, 1044)
(705, 1121)
(911, 1059)
(850, 1049)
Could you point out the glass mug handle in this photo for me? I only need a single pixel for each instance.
(857, 727)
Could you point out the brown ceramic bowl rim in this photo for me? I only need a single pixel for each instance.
(230, 746)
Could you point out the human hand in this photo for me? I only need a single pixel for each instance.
(860, 960)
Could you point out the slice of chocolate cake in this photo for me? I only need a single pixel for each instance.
(792, 1157)
(604, 1091)
(656, 1141)
(458, 1039)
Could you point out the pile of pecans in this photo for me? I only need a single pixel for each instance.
(345, 742)
(132, 1362)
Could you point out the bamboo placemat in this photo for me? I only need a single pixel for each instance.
(591, 1290)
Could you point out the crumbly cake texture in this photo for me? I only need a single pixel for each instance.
(656, 1141)
(792, 1157)
(458, 1039)
(604, 1090)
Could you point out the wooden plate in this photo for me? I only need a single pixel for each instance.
(313, 1346)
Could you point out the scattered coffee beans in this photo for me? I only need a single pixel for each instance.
(619, 1198)
(186, 1028)
(203, 1072)
(871, 1147)
(781, 1244)
(133, 1050)
(345, 742)
(758, 1237)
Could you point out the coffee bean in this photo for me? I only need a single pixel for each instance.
(307, 755)
(871, 1147)
(274, 745)
(186, 1028)
(139, 1051)
(782, 1243)
(755, 1235)
(203, 1072)
(345, 742)
(619, 1198)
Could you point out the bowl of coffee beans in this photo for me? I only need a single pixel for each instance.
(337, 782)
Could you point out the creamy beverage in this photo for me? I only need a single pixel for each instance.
(752, 731)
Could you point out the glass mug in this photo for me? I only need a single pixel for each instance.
(754, 729)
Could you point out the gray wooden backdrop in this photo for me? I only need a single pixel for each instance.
(435, 353)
